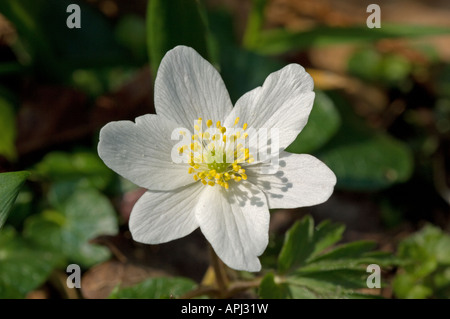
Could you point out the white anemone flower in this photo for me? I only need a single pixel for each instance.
(229, 200)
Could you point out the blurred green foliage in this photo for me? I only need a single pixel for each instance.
(23, 266)
(155, 288)
(426, 273)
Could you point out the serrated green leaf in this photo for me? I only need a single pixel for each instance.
(269, 289)
(333, 279)
(10, 184)
(22, 266)
(326, 235)
(7, 130)
(297, 246)
(67, 231)
(308, 269)
(323, 123)
(280, 41)
(172, 23)
(155, 288)
(303, 242)
(351, 250)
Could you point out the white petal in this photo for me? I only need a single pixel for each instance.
(283, 102)
(141, 152)
(236, 223)
(159, 217)
(301, 180)
(188, 87)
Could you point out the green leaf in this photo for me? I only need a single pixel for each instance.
(364, 159)
(67, 229)
(7, 130)
(297, 245)
(281, 41)
(355, 249)
(308, 268)
(302, 242)
(269, 289)
(155, 288)
(371, 163)
(87, 166)
(323, 123)
(172, 23)
(22, 266)
(10, 184)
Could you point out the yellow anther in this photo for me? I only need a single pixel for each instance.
(211, 146)
(245, 126)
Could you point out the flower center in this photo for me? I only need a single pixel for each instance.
(216, 155)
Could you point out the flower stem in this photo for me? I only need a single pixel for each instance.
(219, 271)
